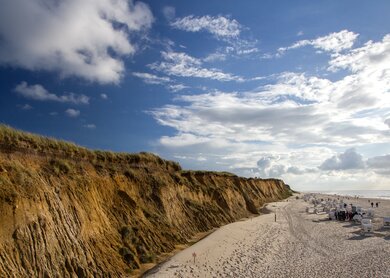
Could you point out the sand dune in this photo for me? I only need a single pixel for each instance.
(296, 245)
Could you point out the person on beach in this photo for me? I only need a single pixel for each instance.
(372, 204)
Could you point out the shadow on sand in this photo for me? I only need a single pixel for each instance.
(358, 237)
(351, 225)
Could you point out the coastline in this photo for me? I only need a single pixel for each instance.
(298, 244)
(368, 194)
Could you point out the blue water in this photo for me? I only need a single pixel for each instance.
(374, 194)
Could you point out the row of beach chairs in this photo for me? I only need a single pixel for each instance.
(339, 211)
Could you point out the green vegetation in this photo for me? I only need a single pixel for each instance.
(199, 172)
(60, 166)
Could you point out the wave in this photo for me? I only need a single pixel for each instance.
(374, 194)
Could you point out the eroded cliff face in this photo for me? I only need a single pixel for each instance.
(66, 211)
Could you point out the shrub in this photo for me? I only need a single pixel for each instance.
(60, 166)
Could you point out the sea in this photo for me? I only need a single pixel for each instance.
(374, 194)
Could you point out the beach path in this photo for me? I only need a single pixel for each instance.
(296, 245)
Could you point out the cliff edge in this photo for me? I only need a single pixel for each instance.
(66, 211)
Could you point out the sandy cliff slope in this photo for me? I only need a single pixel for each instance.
(66, 211)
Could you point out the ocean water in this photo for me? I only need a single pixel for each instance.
(374, 194)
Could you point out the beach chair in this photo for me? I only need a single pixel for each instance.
(318, 209)
(357, 218)
(370, 213)
(311, 210)
(332, 215)
(366, 226)
(386, 222)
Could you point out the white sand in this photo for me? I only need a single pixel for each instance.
(296, 245)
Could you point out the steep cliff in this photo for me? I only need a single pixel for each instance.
(66, 211)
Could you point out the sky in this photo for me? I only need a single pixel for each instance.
(297, 90)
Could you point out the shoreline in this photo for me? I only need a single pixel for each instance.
(376, 194)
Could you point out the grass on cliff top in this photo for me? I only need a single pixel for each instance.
(200, 172)
(12, 140)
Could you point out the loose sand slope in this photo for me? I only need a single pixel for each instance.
(296, 245)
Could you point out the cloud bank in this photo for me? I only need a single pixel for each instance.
(82, 38)
(304, 119)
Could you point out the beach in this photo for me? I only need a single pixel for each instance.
(297, 244)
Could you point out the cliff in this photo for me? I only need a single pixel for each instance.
(66, 211)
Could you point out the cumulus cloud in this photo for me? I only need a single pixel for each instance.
(348, 160)
(302, 118)
(184, 65)
(82, 38)
(368, 85)
(38, 92)
(372, 55)
(72, 113)
(103, 96)
(334, 42)
(269, 167)
(219, 26)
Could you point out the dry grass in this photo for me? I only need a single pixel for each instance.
(13, 140)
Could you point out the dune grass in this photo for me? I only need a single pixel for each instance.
(12, 140)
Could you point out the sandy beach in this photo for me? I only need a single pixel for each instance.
(298, 244)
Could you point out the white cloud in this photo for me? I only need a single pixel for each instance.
(151, 78)
(38, 92)
(297, 122)
(224, 29)
(372, 56)
(177, 87)
(103, 96)
(334, 42)
(82, 38)
(72, 113)
(183, 139)
(184, 65)
(215, 57)
(219, 26)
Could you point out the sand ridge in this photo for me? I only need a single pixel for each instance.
(298, 244)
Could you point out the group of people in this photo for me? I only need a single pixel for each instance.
(345, 215)
(372, 204)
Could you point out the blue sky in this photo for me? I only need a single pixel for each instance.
(292, 89)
